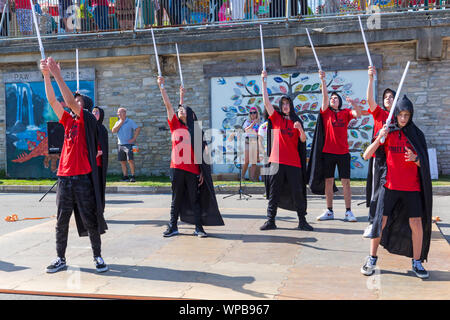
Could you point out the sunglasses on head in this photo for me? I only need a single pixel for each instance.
(252, 112)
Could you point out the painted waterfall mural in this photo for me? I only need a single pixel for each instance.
(27, 114)
(232, 97)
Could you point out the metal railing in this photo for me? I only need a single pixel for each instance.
(93, 16)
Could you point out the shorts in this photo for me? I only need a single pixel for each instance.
(125, 152)
(342, 161)
(410, 199)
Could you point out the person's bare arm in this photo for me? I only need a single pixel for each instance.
(325, 100)
(169, 108)
(298, 126)
(370, 99)
(182, 92)
(266, 100)
(135, 135)
(55, 70)
(49, 92)
(374, 146)
(117, 126)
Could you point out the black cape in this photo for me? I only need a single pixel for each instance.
(396, 237)
(210, 214)
(315, 171)
(102, 134)
(91, 131)
(287, 200)
(376, 172)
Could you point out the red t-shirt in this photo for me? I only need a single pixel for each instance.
(379, 119)
(181, 142)
(285, 141)
(74, 155)
(401, 175)
(336, 136)
(99, 158)
(22, 4)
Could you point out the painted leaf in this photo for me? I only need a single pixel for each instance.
(278, 79)
(305, 106)
(335, 87)
(364, 135)
(302, 98)
(350, 143)
(314, 106)
(295, 75)
(283, 89)
(315, 86)
(225, 109)
(311, 134)
(242, 109)
(365, 121)
(367, 128)
(305, 78)
(311, 124)
(259, 101)
(306, 88)
(225, 124)
(354, 134)
(251, 101)
(347, 86)
(256, 88)
(230, 115)
(311, 117)
(235, 97)
(285, 75)
(357, 145)
(303, 117)
(239, 84)
(352, 123)
(298, 88)
(251, 83)
(238, 102)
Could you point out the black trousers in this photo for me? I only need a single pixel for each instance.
(293, 176)
(76, 191)
(184, 189)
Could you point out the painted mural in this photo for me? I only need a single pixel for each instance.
(27, 114)
(232, 98)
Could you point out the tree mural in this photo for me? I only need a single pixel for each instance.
(305, 92)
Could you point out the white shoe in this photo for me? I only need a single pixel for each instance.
(350, 217)
(327, 215)
(369, 266)
(367, 231)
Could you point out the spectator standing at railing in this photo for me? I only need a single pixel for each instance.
(126, 13)
(148, 12)
(24, 16)
(100, 9)
(64, 14)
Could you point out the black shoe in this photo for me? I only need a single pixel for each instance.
(57, 265)
(125, 178)
(132, 179)
(199, 232)
(100, 264)
(304, 225)
(170, 232)
(268, 225)
(419, 270)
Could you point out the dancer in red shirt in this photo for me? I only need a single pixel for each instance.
(78, 184)
(285, 183)
(193, 196)
(335, 150)
(402, 221)
(377, 166)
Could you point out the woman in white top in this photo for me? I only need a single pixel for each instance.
(251, 126)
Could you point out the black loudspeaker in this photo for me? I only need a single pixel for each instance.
(55, 131)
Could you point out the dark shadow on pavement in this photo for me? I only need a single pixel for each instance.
(11, 267)
(172, 275)
(434, 275)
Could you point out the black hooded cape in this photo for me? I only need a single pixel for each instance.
(102, 134)
(210, 214)
(287, 200)
(396, 237)
(91, 131)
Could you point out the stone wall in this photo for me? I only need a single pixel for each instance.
(130, 81)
